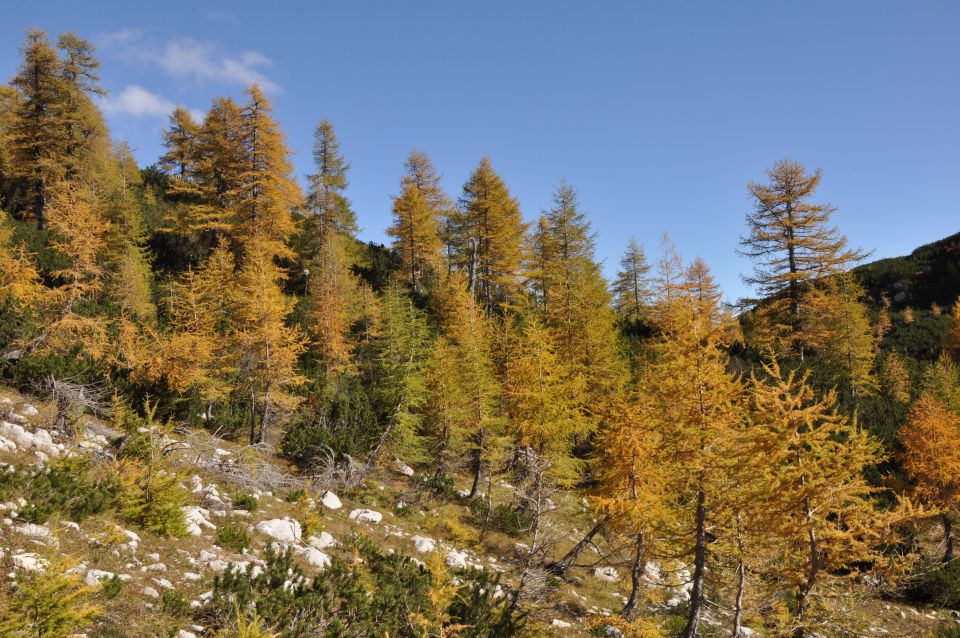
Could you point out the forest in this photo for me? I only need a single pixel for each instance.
(781, 466)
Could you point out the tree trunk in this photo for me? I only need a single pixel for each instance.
(813, 545)
(477, 462)
(253, 417)
(699, 568)
(636, 574)
(561, 566)
(265, 414)
(948, 538)
(741, 584)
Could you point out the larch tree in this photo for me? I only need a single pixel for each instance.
(80, 232)
(205, 163)
(194, 355)
(267, 349)
(475, 391)
(573, 296)
(19, 280)
(895, 377)
(37, 133)
(488, 237)
(793, 245)
(327, 207)
(826, 519)
(266, 194)
(632, 294)
(696, 406)
(951, 337)
(836, 328)
(632, 497)
(418, 212)
(325, 245)
(544, 402)
(181, 159)
(931, 458)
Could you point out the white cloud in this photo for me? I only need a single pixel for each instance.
(186, 58)
(117, 38)
(137, 101)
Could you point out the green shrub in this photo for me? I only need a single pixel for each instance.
(380, 595)
(337, 417)
(246, 502)
(234, 537)
(68, 486)
(941, 586)
(111, 587)
(173, 602)
(295, 496)
(503, 518)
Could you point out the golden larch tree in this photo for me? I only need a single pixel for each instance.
(826, 517)
(792, 244)
(488, 238)
(931, 458)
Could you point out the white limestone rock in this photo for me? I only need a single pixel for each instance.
(330, 501)
(456, 560)
(323, 540)
(314, 557)
(366, 516)
(281, 529)
(608, 574)
(423, 544)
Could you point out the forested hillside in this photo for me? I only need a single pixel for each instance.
(201, 363)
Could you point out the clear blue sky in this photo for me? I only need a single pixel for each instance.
(657, 112)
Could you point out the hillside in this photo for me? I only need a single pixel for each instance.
(928, 275)
(145, 581)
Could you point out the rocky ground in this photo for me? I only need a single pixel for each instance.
(387, 507)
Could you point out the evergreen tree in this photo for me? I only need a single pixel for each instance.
(631, 289)
(401, 342)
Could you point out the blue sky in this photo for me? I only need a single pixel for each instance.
(657, 112)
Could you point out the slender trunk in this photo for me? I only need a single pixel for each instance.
(265, 414)
(253, 417)
(636, 574)
(948, 538)
(477, 462)
(813, 545)
(741, 584)
(561, 566)
(699, 567)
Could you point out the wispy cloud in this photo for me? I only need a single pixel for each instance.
(136, 101)
(189, 59)
(118, 38)
(186, 58)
